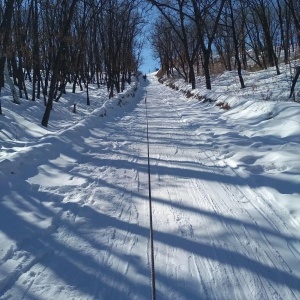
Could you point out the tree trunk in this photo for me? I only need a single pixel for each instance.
(206, 70)
(36, 61)
(87, 94)
(192, 78)
(5, 29)
(236, 47)
(56, 66)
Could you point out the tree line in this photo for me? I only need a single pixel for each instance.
(52, 43)
(188, 35)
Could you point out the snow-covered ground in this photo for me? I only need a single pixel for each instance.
(74, 219)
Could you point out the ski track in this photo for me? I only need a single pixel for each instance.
(212, 239)
(250, 219)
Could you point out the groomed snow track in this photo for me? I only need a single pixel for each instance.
(218, 234)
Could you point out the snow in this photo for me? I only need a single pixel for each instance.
(74, 219)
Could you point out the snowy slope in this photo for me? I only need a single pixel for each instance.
(74, 221)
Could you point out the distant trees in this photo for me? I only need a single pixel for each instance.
(235, 31)
(52, 43)
(232, 37)
(118, 29)
(294, 10)
(169, 49)
(184, 31)
(195, 24)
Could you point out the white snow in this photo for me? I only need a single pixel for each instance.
(74, 219)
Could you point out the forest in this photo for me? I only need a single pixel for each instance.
(52, 43)
(210, 36)
(55, 43)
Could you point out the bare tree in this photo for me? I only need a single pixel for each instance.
(65, 26)
(232, 11)
(5, 36)
(294, 7)
(176, 16)
(265, 16)
(206, 15)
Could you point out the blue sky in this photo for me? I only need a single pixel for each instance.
(150, 64)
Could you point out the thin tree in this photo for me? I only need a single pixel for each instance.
(56, 65)
(235, 43)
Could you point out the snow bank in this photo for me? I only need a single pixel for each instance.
(269, 126)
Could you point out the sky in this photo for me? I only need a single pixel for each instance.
(74, 198)
(150, 64)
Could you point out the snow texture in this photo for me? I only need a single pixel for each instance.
(74, 214)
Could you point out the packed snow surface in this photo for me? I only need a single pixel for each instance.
(74, 207)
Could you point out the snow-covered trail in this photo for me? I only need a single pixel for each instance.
(218, 235)
(83, 209)
(80, 213)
